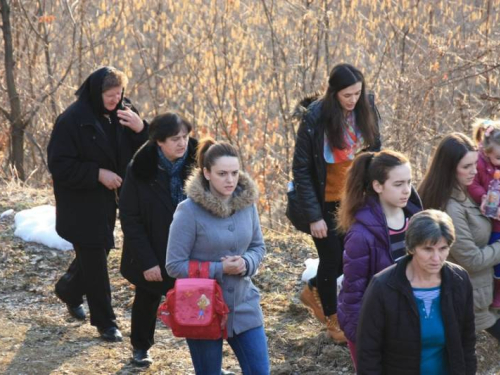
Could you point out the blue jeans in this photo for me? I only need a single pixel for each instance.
(495, 236)
(250, 348)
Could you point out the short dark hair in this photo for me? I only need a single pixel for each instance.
(167, 125)
(428, 227)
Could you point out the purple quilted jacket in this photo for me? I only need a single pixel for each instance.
(366, 252)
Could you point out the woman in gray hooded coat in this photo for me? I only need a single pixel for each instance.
(219, 223)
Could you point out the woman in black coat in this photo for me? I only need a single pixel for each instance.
(150, 194)
(333, 130)
(91, 144)
(417, 315)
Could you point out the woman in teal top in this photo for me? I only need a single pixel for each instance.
(417, 315)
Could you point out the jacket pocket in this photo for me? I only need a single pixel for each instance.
(483, 296)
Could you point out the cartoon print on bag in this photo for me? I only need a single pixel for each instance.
(203, 303)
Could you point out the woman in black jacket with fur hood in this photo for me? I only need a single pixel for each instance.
(150, 194)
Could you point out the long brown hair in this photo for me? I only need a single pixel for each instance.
(441, 177)
(366, 168)
(332, 116)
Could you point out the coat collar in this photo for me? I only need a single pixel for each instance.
(450, 277)
(372, 217)
(463, 198)
(246, 194)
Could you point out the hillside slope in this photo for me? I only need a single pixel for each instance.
(38, 337)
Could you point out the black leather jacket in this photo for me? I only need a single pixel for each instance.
(309, 166)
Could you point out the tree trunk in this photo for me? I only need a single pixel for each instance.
(16, 123)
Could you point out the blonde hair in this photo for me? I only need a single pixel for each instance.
(486, 133)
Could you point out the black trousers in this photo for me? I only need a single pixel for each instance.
(144, 311)
(330, 251)
(88, 275)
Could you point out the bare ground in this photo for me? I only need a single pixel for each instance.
(37, 336)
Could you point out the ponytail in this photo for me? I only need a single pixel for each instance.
(366, 168)
(202, 149)
(354, 191)
(209, 150)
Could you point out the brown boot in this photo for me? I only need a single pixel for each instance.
(333, 329)
(310, 297)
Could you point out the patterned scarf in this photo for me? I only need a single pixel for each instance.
(353, 140)
(173, 171)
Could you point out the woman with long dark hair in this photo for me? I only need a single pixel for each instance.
(333, 130)
(374, 213)
(444, 187)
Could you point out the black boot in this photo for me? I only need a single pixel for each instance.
(141, 358)
(111, 334)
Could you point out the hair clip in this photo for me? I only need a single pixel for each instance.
(488, 131)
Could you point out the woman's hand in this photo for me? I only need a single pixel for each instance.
(319, 229)
(130, 119)
(153, 274)
(233, 265)
(109, 179)
(481, 208)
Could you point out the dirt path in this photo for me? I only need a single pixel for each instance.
(38, 337)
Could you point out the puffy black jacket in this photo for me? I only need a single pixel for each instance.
(388, 335)
(146, 212)
(309, 166)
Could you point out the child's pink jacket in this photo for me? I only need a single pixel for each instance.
(479, 186)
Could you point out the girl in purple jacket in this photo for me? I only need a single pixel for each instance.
(374, 212)
(487, 136)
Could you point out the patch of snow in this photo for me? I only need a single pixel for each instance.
(38, 224)
(312, 269)
(6, 213)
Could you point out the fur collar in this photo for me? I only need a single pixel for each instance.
(246, 194)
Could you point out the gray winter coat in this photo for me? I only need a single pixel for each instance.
(206, 229)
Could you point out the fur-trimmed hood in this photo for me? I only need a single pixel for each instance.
(301, 107)
(246, 194)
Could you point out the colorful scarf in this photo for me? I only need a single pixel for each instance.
(353, 140)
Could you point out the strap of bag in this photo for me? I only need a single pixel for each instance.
(199, 270)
